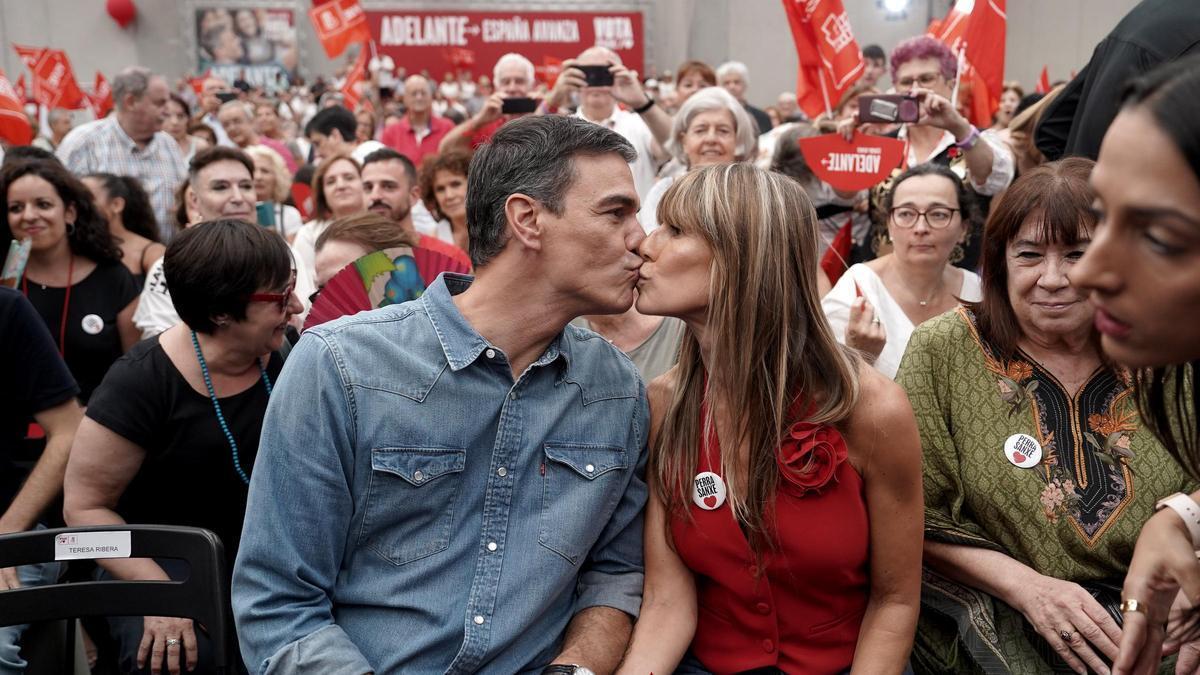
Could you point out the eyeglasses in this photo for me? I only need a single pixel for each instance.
(281, 299)
(925, 80)
(938, 217)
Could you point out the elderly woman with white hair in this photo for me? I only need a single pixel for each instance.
(710, 128)
(273, 185)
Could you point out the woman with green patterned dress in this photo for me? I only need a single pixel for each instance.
(1037, 472)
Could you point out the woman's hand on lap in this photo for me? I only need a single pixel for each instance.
(156, 630)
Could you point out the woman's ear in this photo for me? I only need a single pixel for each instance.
(117, 204)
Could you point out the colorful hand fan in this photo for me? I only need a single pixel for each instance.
(379, 279)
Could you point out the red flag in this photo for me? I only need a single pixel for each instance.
(20, 87)
(356, 79)
(978, 28)
(339, 23)
(836, 260)
(830, 60)
(14, 126)
(198, 81)
(549, 71)
(1043, 85)
(101, 98)
(54, 83)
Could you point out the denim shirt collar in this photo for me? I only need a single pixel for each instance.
(461, 343)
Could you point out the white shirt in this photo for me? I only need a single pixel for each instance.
(424, 223)
(633, 128)
(648, 215)
(896, 324)
(1003, 164)
(365, 148)
(155, 311)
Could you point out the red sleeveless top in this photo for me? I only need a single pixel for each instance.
(802, 610)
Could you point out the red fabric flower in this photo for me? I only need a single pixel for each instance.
(809, 457)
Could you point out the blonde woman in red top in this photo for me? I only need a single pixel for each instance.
(784, 527)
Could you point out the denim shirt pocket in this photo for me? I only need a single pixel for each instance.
(581, 486)
(410, 501)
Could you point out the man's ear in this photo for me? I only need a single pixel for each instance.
(521, 212)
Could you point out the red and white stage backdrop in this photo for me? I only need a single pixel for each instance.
(444, 41)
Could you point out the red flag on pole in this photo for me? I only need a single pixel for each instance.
(836, 260)
(14, 126)
(1043, 85)
(101, 98)
(978, 28)
(356, 79)
(830, 60)
(20, 88)
(54, 83)
(339, 23)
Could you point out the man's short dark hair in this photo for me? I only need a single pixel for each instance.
(213, 267)
(19, 152)
(533, 156)
(390, 155)
(217, 153)
(875, 53)
(333, 117)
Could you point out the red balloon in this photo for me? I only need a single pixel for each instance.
(122, 11)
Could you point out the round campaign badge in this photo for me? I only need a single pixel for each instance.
(92, 324)
(1023, 451)
(708, 491)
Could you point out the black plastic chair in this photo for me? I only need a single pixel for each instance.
(202, 597)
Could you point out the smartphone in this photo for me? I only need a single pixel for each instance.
(597, 76)
(888, 108)
(226, 96)
(518, 105)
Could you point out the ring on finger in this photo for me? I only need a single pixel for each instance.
(171, 642)
(876, 321)
(1066, 635)
(1132, 605)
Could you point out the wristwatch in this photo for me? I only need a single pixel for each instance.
(645, 106)
(1188, 510)
(566, 669)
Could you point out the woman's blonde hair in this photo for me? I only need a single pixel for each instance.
(283, 177)
(771, 345)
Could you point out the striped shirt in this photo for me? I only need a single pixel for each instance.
(103, 146)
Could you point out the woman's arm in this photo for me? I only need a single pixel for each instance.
(1051, 605)
(101, 465)
(884, 426)
(667, 621)
(125, 327)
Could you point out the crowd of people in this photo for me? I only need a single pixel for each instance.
(573, 389)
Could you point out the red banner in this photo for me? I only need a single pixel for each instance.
(855, 165)
(339, 24)
(14, 126)
(1043, 83)
(355, 79)
(830, 60)
(20, 87)
(977, 27)
(438, 41)
(101, 98)
(54, 83)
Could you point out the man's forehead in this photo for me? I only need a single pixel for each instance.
(512, 71)
(226, 169)
(390, 169)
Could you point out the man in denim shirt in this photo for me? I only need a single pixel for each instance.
(454, 484)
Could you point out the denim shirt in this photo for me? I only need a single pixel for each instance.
(414, 509)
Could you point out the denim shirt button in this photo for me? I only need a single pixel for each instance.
(491, 353)
(512, 394)
(478, 620)
(590, 468)
(492, 546)
(418, 476)
(502, 472)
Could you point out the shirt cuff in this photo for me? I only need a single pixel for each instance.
(1003, 166)
(329, 650)
(619, 591)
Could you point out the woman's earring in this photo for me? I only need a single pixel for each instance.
(957, 254)
(70, 229)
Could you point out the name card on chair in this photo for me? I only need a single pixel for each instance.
(92, 545)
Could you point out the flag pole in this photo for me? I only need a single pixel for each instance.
(962, 50)
(825, 93)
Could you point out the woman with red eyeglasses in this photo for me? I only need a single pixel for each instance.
(171, 434)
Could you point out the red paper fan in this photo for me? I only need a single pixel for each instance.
(378, 279)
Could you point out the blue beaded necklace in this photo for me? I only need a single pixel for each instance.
(212, 394)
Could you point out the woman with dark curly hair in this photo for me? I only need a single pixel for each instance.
(126, 207)
(74, 278)
(443, 184)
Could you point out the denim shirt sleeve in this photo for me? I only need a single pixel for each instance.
(284, 576)
(612, 575)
